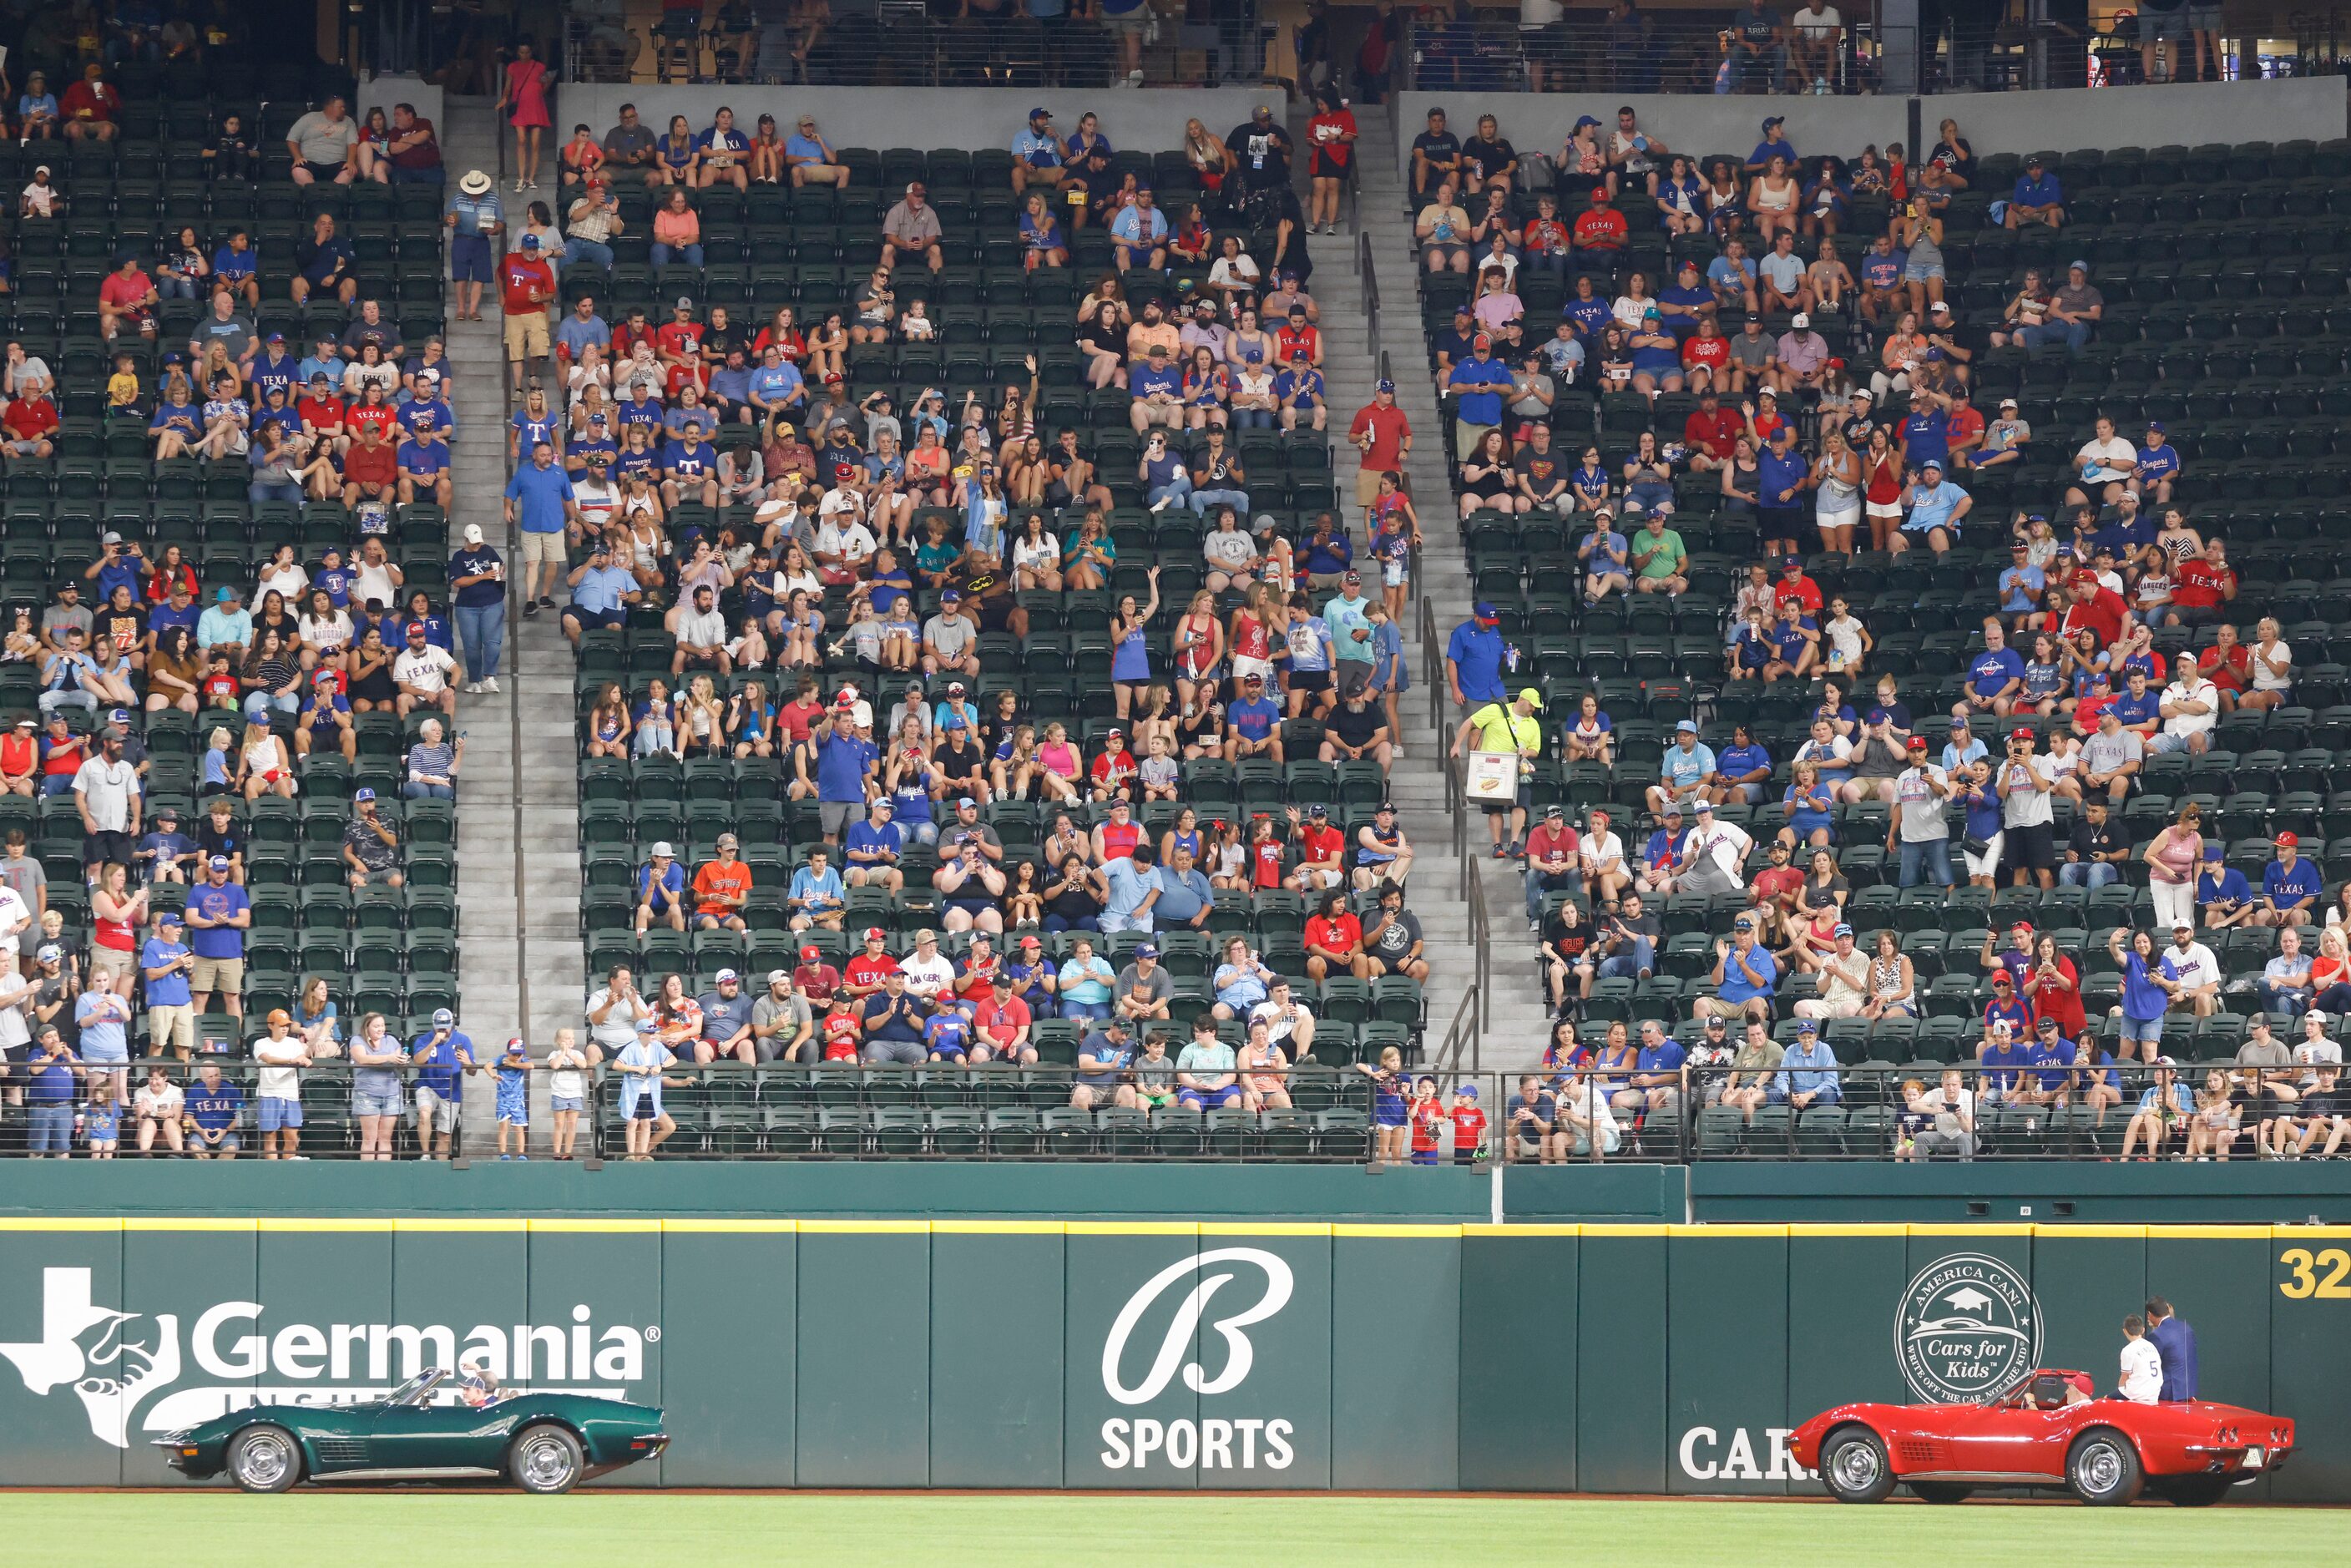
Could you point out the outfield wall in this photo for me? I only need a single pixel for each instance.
(1037, 1353)
(2237, 1192)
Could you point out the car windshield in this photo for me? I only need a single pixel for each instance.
(417, 1390)
(2042, 1390)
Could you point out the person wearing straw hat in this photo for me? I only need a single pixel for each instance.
(474, 219)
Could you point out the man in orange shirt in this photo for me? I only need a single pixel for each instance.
(525, 283)
(721, 888)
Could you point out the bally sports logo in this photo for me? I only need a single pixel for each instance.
(1212, 1443)
(122, 1366)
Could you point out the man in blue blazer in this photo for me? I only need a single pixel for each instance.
(2175, 1342)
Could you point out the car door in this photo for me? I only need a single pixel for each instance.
(435, 1438)
(2009, 1439)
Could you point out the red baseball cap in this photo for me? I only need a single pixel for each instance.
(2287, 841)
(808, 954)
(875, 934)
(2021, 735)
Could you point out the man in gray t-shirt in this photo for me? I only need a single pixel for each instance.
(779, 1017)
(321, 143)
(1143, 989)
(949, 639)
(68, 614)
(1752, 352)
(2110, 757)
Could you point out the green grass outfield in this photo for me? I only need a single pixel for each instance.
(712, 1529)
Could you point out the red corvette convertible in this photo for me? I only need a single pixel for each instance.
(2049, 1430)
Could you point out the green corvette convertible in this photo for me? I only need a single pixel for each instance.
(438, 1426)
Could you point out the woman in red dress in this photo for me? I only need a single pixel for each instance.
(1332, 135)
(524, 105)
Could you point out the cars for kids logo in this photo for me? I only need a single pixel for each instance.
(1966, 1328)
(122, 1366)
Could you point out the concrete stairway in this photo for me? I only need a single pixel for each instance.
(1351, 367)
(520, 959)
(1516, 1023)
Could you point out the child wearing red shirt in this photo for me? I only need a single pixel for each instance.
(840, 1031)
(1265, 856)
(1468, 1126)
(1429, 1113)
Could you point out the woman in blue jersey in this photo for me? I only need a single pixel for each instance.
(1130, 657)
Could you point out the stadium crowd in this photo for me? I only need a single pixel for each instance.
(1051, 720)
(237, 633)
(1880, 722)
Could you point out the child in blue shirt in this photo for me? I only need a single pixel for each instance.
(162, 855)
(514, 1070)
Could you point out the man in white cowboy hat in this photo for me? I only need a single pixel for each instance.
(474, 219)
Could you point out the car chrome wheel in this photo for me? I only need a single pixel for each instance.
(2099, 1468)
(546, 1459)
(1853, 1466)
(264, 1459)
(1856, 1466)
(2105, 1469)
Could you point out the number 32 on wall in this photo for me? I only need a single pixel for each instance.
(2322, 1275)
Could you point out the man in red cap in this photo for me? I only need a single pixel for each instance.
(869, 969)
(2291, 887)
(1033, 976)
(1600, 226)
(815, 978)
(1794, 584)
(2029, 843)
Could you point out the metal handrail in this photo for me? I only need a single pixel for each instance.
(1471, 883)
(1432, 654)
(1466, 1027)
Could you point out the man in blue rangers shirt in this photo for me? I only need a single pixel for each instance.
(211, 1106)
(1479, 409)
(1037, 153)
(1475, 656)
(440, 1054)
(1995, 676)
(2035, 198)
(2291, 887)
(218, 913)
(1158, 391)
(661, 890)
(843, 759)
(2158, 466)
(1252, 722)
(425, 472)
(1687, 771)
(2223, 896)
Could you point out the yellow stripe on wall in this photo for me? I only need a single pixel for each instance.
(1373, 1230)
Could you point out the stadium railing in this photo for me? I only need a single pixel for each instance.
(731, 1111)
(902, 46)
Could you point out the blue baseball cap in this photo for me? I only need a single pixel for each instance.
(1384, 385)
(1484, 611)
(530, 242)
(363, 794)
(1808, 1027)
